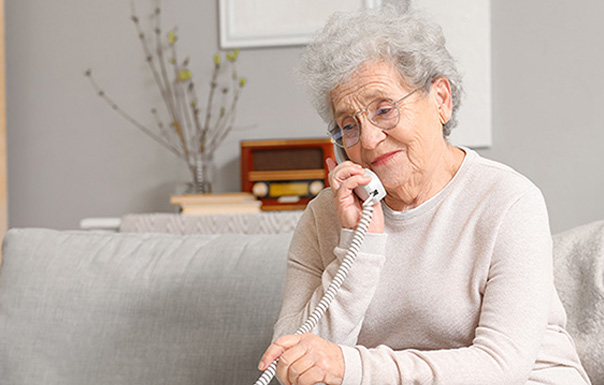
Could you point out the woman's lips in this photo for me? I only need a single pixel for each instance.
(380, 160)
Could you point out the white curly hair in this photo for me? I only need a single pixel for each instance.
(395, 32)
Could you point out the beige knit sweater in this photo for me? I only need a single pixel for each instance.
(456, 291)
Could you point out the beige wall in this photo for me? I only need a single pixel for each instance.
(71, 157)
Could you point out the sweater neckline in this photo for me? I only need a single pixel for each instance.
(436, 199)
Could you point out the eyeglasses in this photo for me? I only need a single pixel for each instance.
(345, 131)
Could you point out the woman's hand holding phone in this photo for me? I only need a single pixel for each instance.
(343, 179)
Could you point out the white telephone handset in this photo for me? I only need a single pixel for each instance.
(370, 194)
(372, 189)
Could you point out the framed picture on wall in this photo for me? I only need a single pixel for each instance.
(269, 23)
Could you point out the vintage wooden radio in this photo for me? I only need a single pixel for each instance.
(285, 174)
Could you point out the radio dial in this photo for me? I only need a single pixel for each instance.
(260, 189)
(316, 187)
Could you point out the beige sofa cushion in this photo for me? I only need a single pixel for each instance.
(105, 308)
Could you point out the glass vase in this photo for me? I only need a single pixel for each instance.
(203, 174)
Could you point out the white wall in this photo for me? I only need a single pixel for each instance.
(71, 157)
(548, 101)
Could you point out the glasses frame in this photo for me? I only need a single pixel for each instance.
(354, 116)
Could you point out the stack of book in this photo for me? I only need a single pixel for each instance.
(229, 203)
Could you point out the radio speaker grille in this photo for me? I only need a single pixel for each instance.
(287, 159)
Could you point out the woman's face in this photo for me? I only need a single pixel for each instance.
(403, 155)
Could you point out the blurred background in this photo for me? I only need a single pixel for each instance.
(70, 156)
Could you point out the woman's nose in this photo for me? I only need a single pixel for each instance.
(370, 135)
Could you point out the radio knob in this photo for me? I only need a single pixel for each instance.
(316, 187)
(260, 189)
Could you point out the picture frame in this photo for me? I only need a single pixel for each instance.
(273, 23)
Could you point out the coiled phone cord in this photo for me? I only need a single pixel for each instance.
(334, 286)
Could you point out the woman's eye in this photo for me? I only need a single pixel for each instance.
(383, 110)
(347, 124)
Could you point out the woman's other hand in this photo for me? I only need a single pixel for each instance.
(343, 179)
(305, 359)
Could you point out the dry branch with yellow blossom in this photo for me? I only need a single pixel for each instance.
(189, 132)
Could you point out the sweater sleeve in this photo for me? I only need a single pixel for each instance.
(313, 260)
(512, 322)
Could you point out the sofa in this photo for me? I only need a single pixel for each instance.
(90, 307)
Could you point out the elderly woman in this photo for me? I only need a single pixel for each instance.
(453, 283)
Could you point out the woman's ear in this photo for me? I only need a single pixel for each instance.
(441, 89)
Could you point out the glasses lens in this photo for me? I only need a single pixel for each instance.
(344, 131)
(383, 113)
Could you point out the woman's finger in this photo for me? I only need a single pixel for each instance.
(288, 366)
(312, 376)
(331, 164)
(355, 181)
(342, 172)
(299, 366)
(276, 349)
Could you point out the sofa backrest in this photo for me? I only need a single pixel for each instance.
(108, 308)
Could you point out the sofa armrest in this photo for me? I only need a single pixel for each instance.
(579, 278)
